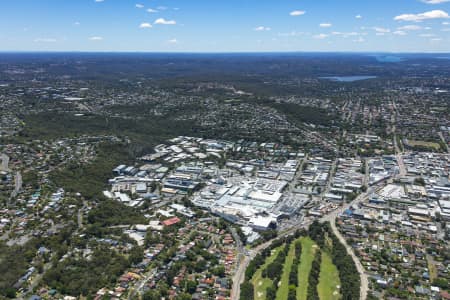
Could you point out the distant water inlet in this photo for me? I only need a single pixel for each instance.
(347, 78)
(389, 58)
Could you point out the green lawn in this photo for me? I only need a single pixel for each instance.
(283, 290)
(260, 283)
(425, 144)
(431, 268)
(308, 250)
(329, 279)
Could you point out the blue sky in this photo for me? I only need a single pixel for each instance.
(225, 25)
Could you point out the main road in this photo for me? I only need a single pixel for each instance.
(17, 184)
(5, 162)
(137, 290)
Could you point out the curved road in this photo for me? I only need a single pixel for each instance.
(243, 262)
(364, 286)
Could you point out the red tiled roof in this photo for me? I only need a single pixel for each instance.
(171, 221)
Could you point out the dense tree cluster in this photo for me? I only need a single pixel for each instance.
(348, 274)
(109, 213)
(317, 233)
(275, 269)
(293, 275)
(247, 290)
(271, 291)
(292, 294)
(79, 276)
(144, 134)
(13, 264)
(442, 283)
(313, 279)
(89, 179)
(15, 260)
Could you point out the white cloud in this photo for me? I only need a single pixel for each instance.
(426, 35)
(381, 30)
(151, 10)
(76, 23)
(173, 41)
(98, 1)
(358, 17)
(325, 25)
(262, 28)
(445, 23)
(359, 40)
(410, 27)
(320, 36)
(446, 29)
(297, 13)
(399, 32)
(162, 21)
(145, 25)
(162, 7)
(433, 14)
(345, 34)
(292, 33)
(434, 1)
(96, 38)
(436, 40)
(139, 5)
(45, 40)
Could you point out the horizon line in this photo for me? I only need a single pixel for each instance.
(215, 52)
